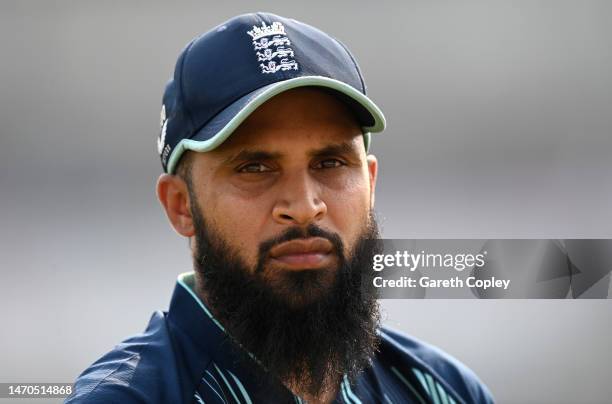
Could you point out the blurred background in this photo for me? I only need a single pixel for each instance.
(500, 121)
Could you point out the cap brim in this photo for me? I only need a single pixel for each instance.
(219, 128)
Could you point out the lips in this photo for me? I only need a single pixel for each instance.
(310, 253)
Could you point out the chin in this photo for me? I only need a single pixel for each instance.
(301, 288)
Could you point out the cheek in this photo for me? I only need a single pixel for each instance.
(348, 208)
(239, 222)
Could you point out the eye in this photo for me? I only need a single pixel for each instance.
(253, 168)
(329, 163)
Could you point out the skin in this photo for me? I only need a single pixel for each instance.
(298, 159)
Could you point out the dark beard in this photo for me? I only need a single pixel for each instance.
(308, 328)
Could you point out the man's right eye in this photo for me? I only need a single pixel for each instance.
(254, 168)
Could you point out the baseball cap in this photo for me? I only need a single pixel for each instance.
(225, 74)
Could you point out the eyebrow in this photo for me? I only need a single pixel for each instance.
(245, 154)
(340, 148)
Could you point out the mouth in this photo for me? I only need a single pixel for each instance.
(309, 253)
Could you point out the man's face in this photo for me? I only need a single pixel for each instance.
(280, 220)
(297, 161)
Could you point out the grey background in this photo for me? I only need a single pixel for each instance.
(499, 126)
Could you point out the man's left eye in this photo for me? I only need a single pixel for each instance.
(329, 163)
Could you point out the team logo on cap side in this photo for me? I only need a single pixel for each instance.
(272, 48)
(161, 140)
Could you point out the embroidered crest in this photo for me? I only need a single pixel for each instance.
(272, 48)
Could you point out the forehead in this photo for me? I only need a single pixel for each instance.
(297, 120)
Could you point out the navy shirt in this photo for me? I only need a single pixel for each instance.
(185, 356)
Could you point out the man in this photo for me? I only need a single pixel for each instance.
(264, 135)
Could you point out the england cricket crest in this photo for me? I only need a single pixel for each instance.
(272, 48)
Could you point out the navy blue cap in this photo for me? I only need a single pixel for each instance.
(223, 75)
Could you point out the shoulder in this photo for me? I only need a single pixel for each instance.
(438, 363)
(134, 371)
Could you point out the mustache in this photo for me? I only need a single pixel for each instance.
(296, 233)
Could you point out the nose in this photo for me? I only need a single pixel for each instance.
(299, 201)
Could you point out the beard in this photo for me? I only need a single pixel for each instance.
(308, 328)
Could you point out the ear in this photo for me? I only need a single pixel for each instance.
(173, 195)
(373, 172)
